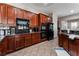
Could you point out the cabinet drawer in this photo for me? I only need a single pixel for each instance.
(27, 36)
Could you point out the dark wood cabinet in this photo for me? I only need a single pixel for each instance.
(22, 41)
(11, 16)
(0, 51)
(3, 44)
(28, 40)
(27, 15)
(34, 21)
(19, 42)
(10, 44)
(3, 14)
(73, 47)
(43, 18)
(65, 42)
(60, 40)
(19, 13)
(35, 38)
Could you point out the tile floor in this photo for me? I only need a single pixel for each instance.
(41, 49)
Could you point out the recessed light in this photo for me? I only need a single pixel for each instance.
(72, 11)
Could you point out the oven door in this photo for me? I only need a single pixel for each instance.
(43, 35)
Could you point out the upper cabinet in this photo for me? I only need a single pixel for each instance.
(19, 13)
(44, 18)
(11, 16)
(27, 15)
(34, 21)
(8, 15)
(3, 14)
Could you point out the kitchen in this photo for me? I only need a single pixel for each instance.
(39, 29)
(20, 28)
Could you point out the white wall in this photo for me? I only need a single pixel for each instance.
(74, 17)
(54, 17)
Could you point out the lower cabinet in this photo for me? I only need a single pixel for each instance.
(28, 40)
(0, 51)
(60, 40)
(19, 41)
(35, 38)
(73, 47)
(65, 42)
(78, 51)
(10, 44)
(15, 42)
(3, 46)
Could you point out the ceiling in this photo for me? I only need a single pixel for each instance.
(61, 9)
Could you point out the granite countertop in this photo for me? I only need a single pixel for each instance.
(71, 36)
(2, 37)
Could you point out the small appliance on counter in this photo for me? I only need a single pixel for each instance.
(12, 30)
(4, 30)
(35, 29)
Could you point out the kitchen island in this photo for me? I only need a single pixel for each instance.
(15, 42)
(70, 42)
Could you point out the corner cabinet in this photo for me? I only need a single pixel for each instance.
(10, 44)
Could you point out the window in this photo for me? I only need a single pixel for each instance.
(74, 25)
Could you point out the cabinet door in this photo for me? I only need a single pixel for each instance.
(10, 44)
(65, 42)
(17, 42)
(3, 14)
(11, 15)
(34, 21)
(72, 48)
(26, 15)
(60, 40)
(77, 42)
(19, 13)
(22, 42)
(4, 46)
(35, 38)
(43, 18)
(0, 51)
(28, 39)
